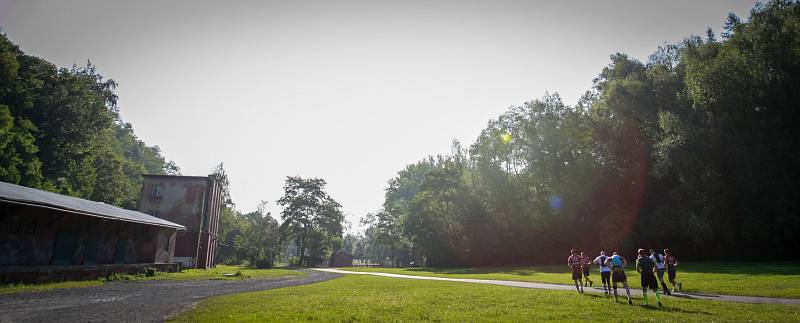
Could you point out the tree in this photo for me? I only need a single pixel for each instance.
(311, 218)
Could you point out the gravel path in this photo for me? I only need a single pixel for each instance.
(138, 301)
(635, 291)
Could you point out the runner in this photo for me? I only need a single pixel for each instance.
(586, 263)
(574, 263)
(661, 267)
(646, 266)
(672, 262)
(617, 264)
(605, 272)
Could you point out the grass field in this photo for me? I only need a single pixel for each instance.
(213, 273)
(750, 279)
(379, 299)
(220, 271)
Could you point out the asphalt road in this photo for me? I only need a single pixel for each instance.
(136, 301)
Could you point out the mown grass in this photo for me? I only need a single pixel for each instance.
(236, 272)
(19, 288)
(379, 299)
(749, 279)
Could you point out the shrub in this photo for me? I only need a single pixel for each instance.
(149, 271)
(263, 264)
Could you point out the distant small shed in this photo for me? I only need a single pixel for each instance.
(341, 259)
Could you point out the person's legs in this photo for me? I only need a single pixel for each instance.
(627, 291)
(586, 276)
(604, 276)
(661, 280)
(671, 275)
(576, 276)
(653, 284)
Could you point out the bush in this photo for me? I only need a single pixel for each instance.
(294, 261)
(117, 277)
(149, 271)
(263, 264)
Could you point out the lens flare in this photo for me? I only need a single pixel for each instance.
(555, 202)
(506, 137)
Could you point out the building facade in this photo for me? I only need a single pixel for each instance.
(46, 236)
(192, 201)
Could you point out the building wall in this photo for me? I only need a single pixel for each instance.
(193, 202)
(40, 236)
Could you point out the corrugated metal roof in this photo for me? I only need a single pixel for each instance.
(30, 196)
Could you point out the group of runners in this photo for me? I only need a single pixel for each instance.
(612, 271)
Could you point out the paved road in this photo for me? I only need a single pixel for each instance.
(138, 301)
(634, 291)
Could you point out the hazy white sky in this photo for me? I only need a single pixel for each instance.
(350, 91)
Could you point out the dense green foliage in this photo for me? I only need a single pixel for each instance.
(728, 278)
(312, 220)
(360, 298)
(60, 131)
(695, 150)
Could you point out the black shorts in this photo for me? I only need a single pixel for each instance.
(576, 273)
(618, 276)
(586, 271)
(671, 273)
(649, 281)
(605, 276)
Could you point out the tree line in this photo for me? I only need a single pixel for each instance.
(695, 149)
(309, 231)
(60, 131)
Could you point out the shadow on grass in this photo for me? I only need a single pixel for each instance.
(653, 307)
(517, 271)
(738, 268)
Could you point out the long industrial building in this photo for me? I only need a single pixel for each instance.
(47, 236)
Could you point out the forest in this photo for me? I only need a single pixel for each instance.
(60, 131)
(695, 149)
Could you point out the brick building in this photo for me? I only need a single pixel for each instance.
(46, 236)
(192, 201)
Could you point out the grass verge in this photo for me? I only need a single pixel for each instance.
(748, 279)
(371, 298)
(219, 272)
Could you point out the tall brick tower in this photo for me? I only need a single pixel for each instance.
(192, 201)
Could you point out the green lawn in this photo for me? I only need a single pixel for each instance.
(219, 272)
(379, 299)
(750, 279)
(19, 288)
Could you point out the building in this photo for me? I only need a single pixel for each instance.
(341, 259)
(46, 236)
(192, 201)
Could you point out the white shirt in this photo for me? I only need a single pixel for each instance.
(599, 261)
(659, 265)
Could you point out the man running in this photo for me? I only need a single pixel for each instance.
(617, 264)
(586, 263)
(645, 266)
(574, 263)
(605, 271)
(672, 262)
(661, 267)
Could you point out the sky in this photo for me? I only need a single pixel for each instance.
(349, 91)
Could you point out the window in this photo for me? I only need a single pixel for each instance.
(156, 191)
(166, 242)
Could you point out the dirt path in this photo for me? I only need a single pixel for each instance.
(138, 301)
(634, 290)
